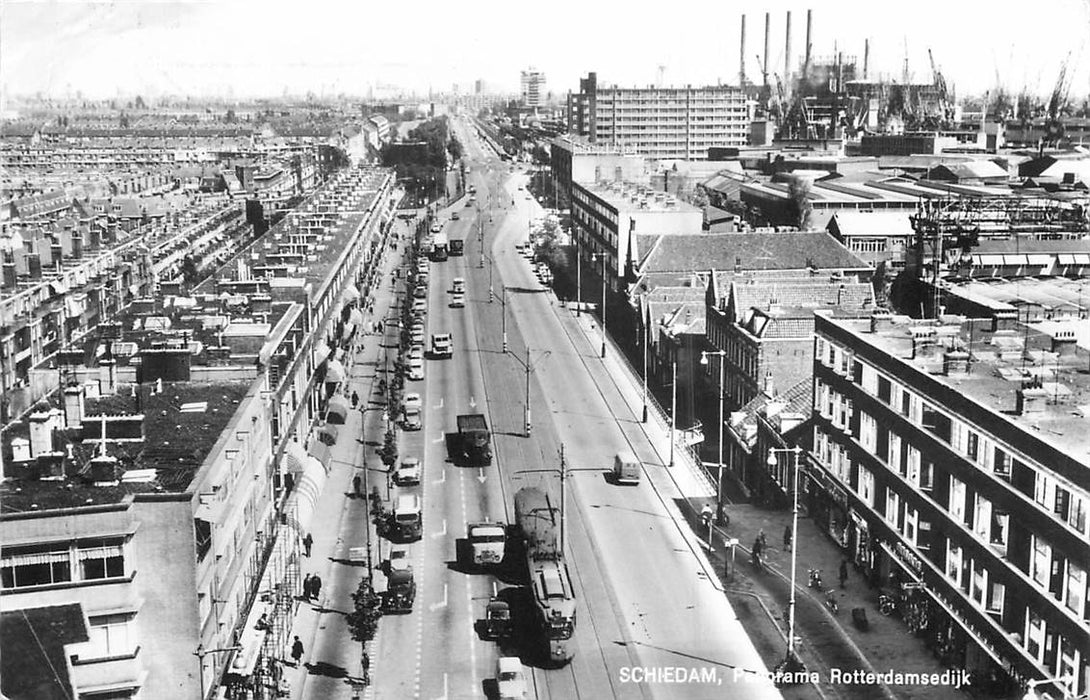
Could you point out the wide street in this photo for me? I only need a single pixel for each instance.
(647, 601)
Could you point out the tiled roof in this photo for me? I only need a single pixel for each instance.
(969, 170)
(32, 657)
(799, 399)
(745, 251)
(800, 293)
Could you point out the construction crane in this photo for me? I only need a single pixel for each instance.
(1057, 106)
(945, 113)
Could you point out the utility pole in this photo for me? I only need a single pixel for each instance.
(527, 391)
(503, 320)
(673, 410)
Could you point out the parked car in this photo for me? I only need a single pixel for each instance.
(420, 305)
(406, 474)
(416, 369)
(412, 400)
(454, 216)
(410, 418)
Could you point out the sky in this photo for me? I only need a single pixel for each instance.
(251, 48)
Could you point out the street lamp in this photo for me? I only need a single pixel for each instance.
(1031, 687)
(791, 662)
(491, 294)
(719, 461)
(503, 317)
(603, 257)
(673, 408)
(202, 652)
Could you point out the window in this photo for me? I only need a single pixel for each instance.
(866, 486)
(956, 506)
(999, 524)
(893, 507)
(893, 457)
(937, 423)
(104, 560)
(982, 521)
(884, 392)
(868, 431)
(909, 530)
(953, 563)
(1076, 588)
(995, 598)
(927, 476)
(972, 446)
(978, 588)
(1060, 506)
(1076, 513)
(1041, 561)
(1002, 463)
(1043, 489)
(1035, 636)
(110, 636)
(35, 566)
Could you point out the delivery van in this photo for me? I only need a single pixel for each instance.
(626, 468)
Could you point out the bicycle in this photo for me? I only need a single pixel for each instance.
(887, 605)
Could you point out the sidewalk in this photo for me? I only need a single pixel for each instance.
(331, 666)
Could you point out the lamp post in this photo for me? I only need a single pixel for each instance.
(202, 652)
(673, 409)
(503, 317)
(491, 294)
(791, 661)
(719, 459)
(644, 371)
(603, 258)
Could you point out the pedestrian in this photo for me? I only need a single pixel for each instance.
(762, 538)
(308, 541)
(758, 548)
(787, 537)
(706, 514)
(297, 650)
(380, 327)
(306, 587)
(355, 399)
(315, 586)
(843, 573)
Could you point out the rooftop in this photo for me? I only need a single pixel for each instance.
(1001, 363)
(627, 197)
(32, 658)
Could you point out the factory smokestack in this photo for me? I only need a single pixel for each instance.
(764, 59)
(787, 51)
(742, 56)
(866, 56)
(809, 19)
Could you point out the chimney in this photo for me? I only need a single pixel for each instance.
(41, 433)
(73, 407)
(104, 471)
(955, 363)
(787, 51)
(1029, 401)
(107, 377)
(1063, 343)
(764, 59)
(880, 320)
(742, 55)
(809, 19)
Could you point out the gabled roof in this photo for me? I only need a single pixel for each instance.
(32, 657)
(876, 223)
(969, 170)
(798, 399)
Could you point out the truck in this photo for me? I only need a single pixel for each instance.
(457, 247)
(474, 440)
(442, 345)
(439, 247)
(487, 542)
(554, 597)
(626, 468)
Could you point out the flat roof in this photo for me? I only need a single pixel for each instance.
(995, 378)
(621, 196)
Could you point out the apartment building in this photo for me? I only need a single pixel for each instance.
(606, 215)
(532, 83)
(951, 465)
(172, 549)
(660, 122)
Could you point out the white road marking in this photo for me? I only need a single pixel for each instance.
(480, 475)
(445, 689)
(439, 439)
(444, 532)
(440, 404)
(443, 480)
(436, 606)
(472, 402)
(495, 588)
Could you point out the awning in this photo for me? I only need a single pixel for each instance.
(1082, 259)
(58, 287)
(351, 294)
(338, 410)
(246, 659)
(1040, 259)
(356, 317)
(303, 500)
(321, 352)
(989, 259)
(327, 434)
(349, 330)
(334, 372)
(1014, 259)
(295, 457)
(1067, 259)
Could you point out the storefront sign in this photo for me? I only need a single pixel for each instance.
(908, 558)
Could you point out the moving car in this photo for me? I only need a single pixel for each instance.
(457, 300)
(458, 285)
(442, 345)
(509, 678)
(454, 216)
(407, 473)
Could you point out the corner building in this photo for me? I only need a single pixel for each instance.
(954, 470)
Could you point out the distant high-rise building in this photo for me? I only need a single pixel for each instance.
(660, 122)
(533, 88)
(480, 87)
